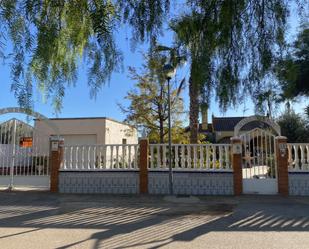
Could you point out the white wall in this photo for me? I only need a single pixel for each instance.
(116, 131)
(80, 139)
(70, 128)
(84, 131)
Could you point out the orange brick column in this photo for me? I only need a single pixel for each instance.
(143, 166)
(282, 165)
(56, 156)
(236, 164)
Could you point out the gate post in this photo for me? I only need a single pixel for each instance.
(236, 164)
(56, 157)
(143, 165)
(282, 165)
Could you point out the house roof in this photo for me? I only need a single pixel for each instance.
(225, 123)
(84, 118)
(229, 123)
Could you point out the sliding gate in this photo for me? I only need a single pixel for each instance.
(24, 156)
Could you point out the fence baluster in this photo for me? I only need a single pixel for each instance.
(159, 156)
(296, 160)
(151, 163)
(88, 158)
(307, 158)
(136, 148)
(111, 160)
(129, 158)
(164, 156)
(207, 157)
(194, 157)
(189, 161)
(213, 149)
(302, 156)
(201, 164)
(220, 157)
(176, 156)
(183, 157)
(119, 156)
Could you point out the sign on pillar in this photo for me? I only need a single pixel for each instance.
(236, 164)
(282, 165)
(56, 157)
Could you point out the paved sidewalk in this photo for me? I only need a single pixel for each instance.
(44, 220)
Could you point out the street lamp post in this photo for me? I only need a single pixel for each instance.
(169, 72)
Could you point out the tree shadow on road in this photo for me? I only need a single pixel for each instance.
(149, 221)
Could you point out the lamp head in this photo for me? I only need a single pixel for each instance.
(169, 71)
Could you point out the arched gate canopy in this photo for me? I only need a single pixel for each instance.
(254, 118)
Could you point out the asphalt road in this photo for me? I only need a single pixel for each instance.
(44, 220)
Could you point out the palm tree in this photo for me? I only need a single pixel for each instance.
(231, 46)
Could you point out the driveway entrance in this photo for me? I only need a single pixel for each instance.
(259, 167)
(24, 162)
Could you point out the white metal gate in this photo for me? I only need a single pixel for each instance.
(24, 162)
(259, 169)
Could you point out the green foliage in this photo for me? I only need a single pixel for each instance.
(146, 17)
(293, 71)
(307, 111)
(148, 108)
(179, 136)
(50, 38)
(294, 127)
(266, 100)
(232, 45)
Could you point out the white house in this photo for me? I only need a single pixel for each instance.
(84, 131)
(30, 145)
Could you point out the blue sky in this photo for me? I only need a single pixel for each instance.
(77, 102)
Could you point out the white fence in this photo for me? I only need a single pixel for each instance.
(23, 161)
(197, 157)
(298, 157)
(100, 157)
(200, 157)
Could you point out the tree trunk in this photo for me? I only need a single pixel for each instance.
(194, 111)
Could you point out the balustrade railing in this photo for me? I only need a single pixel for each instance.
(298, 157)
(100, 157)
(198, 157)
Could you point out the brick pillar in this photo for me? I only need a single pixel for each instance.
(282, 165)
(143, 166)
(237, 164)
(56, 156)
